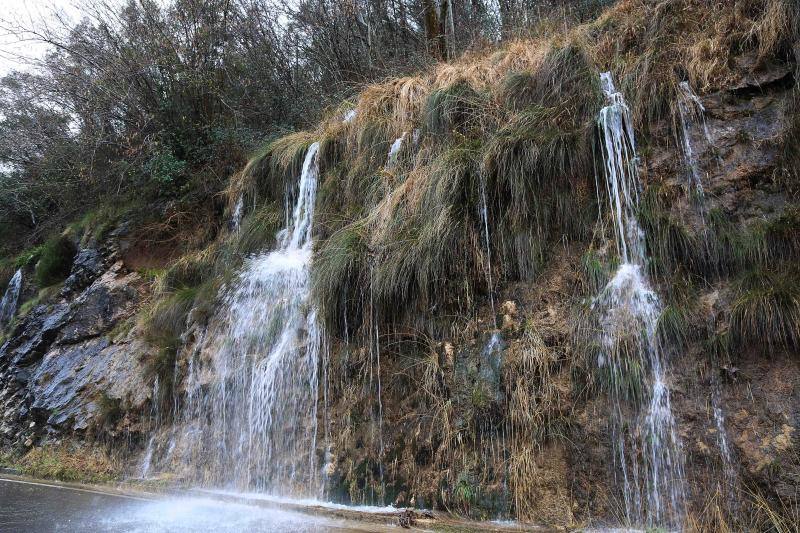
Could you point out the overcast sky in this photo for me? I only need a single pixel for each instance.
(27, 13)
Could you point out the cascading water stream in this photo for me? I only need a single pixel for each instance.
(646, 445)
(394, 150)
(484, 212)
(147, 459)
(250, 410)
(238, 213)
(8, 305)
(730, 478)
(692, 117)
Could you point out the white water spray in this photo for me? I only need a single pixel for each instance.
(484, 212)
(155, 416)
(251, 394)
(349, 116)
(646, 445)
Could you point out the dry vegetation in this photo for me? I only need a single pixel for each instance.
(402, 246)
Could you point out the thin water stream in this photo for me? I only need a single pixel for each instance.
(692, 117)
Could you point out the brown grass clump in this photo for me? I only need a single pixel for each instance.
(537, 422)
(269, 171)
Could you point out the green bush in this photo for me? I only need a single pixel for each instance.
(55, 261)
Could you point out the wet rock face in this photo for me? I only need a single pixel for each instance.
(89, 264)
(60, 360)
(737, 158)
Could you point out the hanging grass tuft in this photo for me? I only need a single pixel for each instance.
(766, 312)
(457, 108)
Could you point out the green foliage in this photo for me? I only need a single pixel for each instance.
(55, 260)
(669, 243)
(339, 271)
(258, 230)
(596, 272)
(95, 225)
(533, 149)
(43, 296)
(622, 372)
(270, 174)
(479, 398)
(719, 246)
(766, 312)
(164, 168)
(68, 464)
(567, 78)
(672, 327)
(166, 320)
(28, 257)
(465, 492)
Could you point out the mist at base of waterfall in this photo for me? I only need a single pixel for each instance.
(31, 506)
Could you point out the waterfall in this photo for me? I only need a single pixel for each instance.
(250, 410)
(238, 213)
(349, 116)
(394, 150)
(147, 459)
(646, 445)
(8, 305)
(484, 212)
(692, 117)
(730, 477)
(722, 441)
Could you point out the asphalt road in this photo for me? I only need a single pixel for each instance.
(32, 507)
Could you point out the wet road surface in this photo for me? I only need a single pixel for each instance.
(33, 507)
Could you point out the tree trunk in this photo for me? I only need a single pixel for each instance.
(434, 33)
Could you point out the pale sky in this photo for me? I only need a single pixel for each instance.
(27, 13)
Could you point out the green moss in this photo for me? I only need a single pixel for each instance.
(258, 230)
(55, 261)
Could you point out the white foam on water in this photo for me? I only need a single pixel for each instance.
(249, 419)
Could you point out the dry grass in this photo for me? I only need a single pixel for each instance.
(779, 516)
(537, 417)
